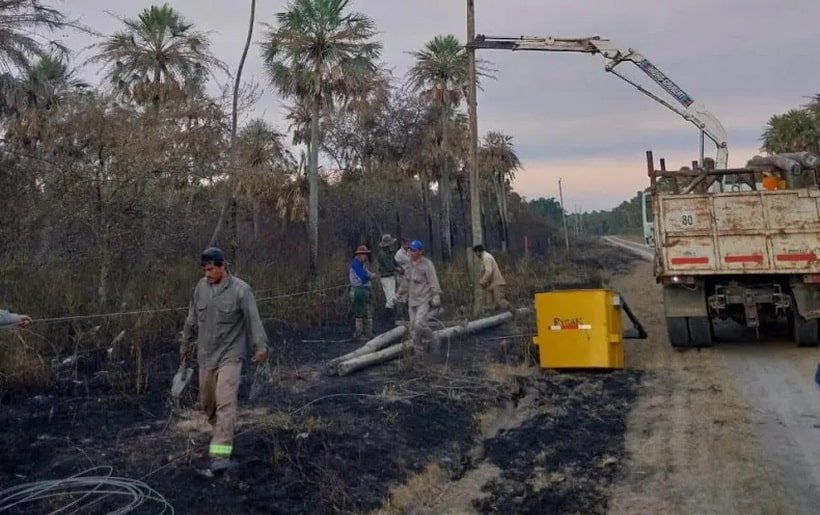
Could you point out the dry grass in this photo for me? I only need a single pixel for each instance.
(420, 492)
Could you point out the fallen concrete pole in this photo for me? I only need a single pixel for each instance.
(374, 358)
(379, 342)
(479, 325)
(364, 360)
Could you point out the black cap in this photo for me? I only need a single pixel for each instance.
(212, 255)
(478, 248)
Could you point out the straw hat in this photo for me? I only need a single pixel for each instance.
(387, 240)
(362, 250)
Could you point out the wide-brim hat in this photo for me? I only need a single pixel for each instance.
(387, 240)
(362, 249)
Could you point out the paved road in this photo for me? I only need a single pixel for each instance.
(642, 251)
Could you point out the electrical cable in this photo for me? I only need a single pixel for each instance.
(167, 310)
(84, 490)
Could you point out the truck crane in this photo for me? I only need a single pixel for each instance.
(694, 112)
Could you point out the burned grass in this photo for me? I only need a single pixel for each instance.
(477, 429)
(562, 458)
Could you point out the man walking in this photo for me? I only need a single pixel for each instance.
(402, 260)
(423, 292)
(223, 318)
(492, 281)
(387, 270)
(360, 294)
(9, 319)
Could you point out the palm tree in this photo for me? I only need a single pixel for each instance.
(157, 56)
(43, 87)
(264, 166)
(21, 22)
(499, 162)
(319, 54)
(796, 130)
(440, 74)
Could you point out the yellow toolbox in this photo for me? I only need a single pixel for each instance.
(582, 328)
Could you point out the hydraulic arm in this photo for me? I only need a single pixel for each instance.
(694, 112)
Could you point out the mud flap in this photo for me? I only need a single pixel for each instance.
(684, 300)
(807, 300)
(805, 326)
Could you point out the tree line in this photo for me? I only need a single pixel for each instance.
(112, 189)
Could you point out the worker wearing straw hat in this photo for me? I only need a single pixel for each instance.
(360, 294)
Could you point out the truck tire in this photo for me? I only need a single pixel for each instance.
(700, 331)
(678, 331)
(689, 332)
(806, 333)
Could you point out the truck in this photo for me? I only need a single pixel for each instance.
(741, 251)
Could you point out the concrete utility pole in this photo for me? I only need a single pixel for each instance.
(563, 213)
(475, 196)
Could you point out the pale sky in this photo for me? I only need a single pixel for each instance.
(745, 59)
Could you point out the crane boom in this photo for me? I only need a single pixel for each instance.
(692, 111)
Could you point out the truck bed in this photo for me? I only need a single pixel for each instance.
(747, 232)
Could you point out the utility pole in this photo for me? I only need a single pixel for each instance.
(563, 213)
(475, 196)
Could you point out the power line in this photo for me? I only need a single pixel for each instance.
(149, 311)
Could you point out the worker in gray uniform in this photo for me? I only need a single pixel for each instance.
(223, 319)
(423, 294)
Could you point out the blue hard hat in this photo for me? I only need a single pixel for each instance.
(416, 245)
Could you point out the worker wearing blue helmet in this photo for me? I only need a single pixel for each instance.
(423, 293)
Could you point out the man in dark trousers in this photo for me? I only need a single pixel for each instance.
(361, 294)
(224, 319)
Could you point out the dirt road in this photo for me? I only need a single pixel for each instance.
(730, 429)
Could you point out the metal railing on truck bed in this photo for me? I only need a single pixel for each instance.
(746, 230)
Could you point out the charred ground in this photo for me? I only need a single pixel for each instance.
(317, 444)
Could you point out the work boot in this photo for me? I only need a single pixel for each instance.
(222, 464)
(368, 327)
(358, 332)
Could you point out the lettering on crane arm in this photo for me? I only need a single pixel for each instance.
(569, 324)
(665, 82)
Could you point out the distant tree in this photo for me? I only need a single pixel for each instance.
(795, 130)
(497, 158)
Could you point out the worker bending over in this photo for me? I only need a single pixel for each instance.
(423, 293)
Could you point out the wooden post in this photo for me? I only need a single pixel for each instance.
(475, 191)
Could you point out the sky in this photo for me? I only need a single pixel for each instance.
(744, 59)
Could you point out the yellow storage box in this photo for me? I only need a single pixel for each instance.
(579, 329)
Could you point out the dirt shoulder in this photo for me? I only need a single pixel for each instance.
(693, 442)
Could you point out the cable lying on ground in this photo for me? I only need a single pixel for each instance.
(80, 492)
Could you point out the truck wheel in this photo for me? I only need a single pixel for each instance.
(700, 331)
(806, 333)
(686, 332)
(678, 331)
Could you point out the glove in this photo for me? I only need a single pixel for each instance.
(483, 284)
(436, 301)
(261, 356)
